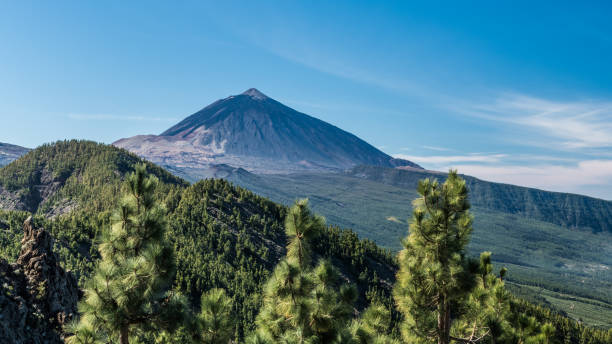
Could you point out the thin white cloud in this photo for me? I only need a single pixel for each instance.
(448, 159)
(325, 61)
(438, 149)
(102, 117)
(572, 125)
(591, 177)
(331, 66)
(574, 178)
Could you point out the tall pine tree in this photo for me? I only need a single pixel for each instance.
(303, 304)
(435, 273)
(443, 295)
(130, 290)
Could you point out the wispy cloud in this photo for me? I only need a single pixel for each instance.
(572, 125)
(438, 149)
(313, 59)
(103, 117)
(448, 159)
(538, 171)
(572, 178)
(324, 60)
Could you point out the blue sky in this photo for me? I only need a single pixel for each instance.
(517, 92)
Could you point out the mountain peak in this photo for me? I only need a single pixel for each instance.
(254, 93)
(254, 132)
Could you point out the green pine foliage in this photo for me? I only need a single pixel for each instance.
(130, 289)
(435, 273)
(81, 170)
(565, 330)
(373, 326)
(216, 320)
(557, 267)
(303, 304)
(443, 295)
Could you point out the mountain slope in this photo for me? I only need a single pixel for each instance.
(259, 134)
(9, 152)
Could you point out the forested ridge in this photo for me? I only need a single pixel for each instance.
(222, 236)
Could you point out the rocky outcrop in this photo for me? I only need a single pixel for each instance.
(44, 186)
(37, 296)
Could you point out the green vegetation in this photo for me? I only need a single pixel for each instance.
(129, 290)
(435, 274)
(224, 237)
(61, 176)
(215, 320)
(445, 296)
(563, 209)
(302, 304)
(570, 262)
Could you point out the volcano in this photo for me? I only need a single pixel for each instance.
(257, 133)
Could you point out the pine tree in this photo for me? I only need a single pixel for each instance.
(435, 273)
(443, 295)
(372, 327)
(487, 315)
(482, 316)
(215, 319)
(302, 304)
(130, 290)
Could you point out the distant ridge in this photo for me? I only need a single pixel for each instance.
(255, 132)
(564, 209)
(9, 152)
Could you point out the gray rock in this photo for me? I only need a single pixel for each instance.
(37, 296)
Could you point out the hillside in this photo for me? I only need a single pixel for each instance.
(259, 134)
(56, 178)
(224, 236)
(9, 152)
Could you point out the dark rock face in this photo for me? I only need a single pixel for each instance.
(44, 187)
(37, 296)
(259, 134)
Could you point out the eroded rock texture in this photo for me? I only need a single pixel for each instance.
(37, 296)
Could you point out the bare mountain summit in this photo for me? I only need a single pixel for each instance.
(259, 134)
